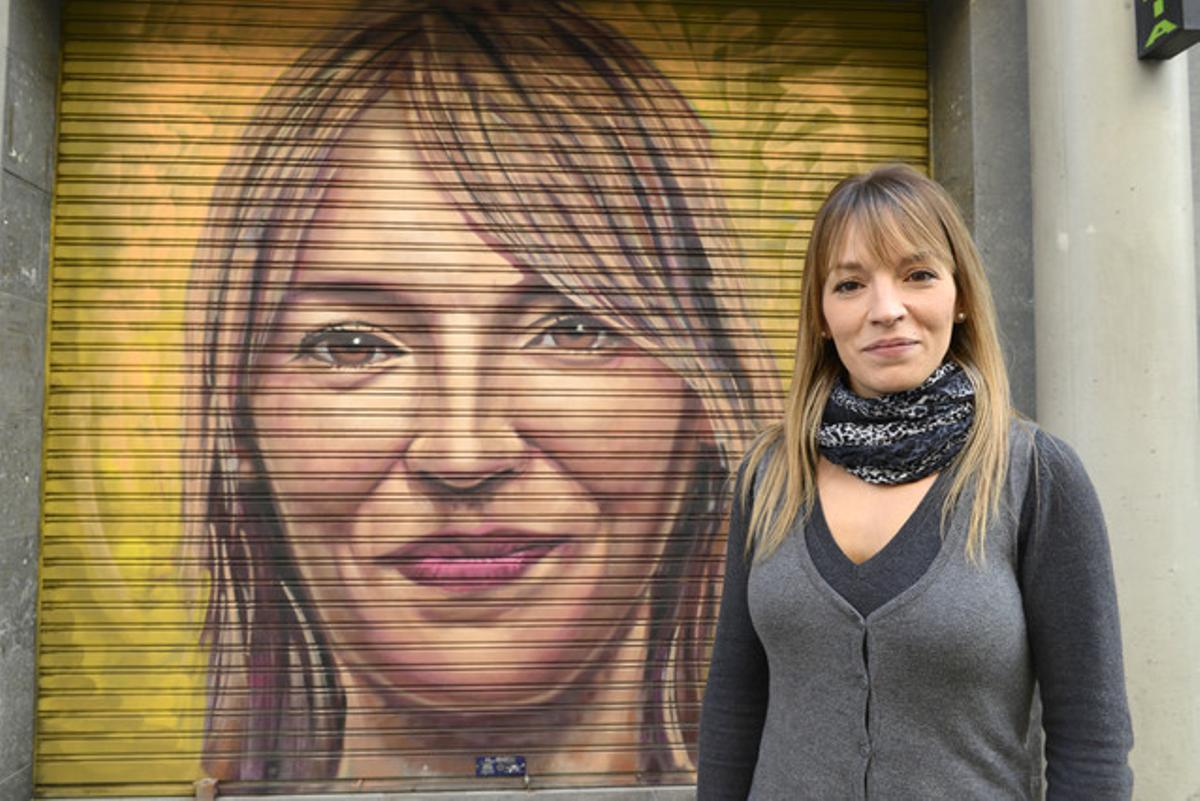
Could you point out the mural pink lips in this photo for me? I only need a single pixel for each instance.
(458, 563)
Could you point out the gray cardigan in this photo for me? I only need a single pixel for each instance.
(929, 696)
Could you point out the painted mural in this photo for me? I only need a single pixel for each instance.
(400, 355)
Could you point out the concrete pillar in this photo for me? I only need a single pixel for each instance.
(1116, 343)
(29, 31)
(979, 148)
(1194, 118)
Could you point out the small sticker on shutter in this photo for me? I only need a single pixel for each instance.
(488, 766)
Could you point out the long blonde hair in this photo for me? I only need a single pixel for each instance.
(898, 211)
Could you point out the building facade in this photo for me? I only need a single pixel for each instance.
(211, 180)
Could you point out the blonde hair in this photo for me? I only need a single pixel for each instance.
(894, 208)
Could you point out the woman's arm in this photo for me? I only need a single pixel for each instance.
(735, 699)
(1071, 612)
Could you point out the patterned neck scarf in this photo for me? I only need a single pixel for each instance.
(902, 437)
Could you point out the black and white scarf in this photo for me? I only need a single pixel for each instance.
(902, 437)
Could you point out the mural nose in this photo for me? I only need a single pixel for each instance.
(460, 449)
(461, 464)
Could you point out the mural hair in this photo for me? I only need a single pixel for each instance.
(571, 154)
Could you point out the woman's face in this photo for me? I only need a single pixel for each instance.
(890, 318)
(476, 477)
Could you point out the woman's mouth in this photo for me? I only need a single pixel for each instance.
(890, 347)
(471, 563)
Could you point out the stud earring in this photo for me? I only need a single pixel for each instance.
(961, 317)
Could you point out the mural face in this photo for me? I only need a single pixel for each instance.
(443, 467)
(443, 340)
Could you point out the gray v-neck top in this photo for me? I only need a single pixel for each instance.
(898, 564)
(928, 695)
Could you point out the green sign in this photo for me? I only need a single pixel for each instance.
(1166, 28)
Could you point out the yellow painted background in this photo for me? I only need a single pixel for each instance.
(796, 95)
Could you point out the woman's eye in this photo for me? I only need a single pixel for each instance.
(575, 333)
(348, 346)
(846, 286)
(922, 274)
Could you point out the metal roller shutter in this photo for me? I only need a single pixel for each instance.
(399, 355)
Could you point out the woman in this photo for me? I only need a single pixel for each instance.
(469, 367)
(906, 558)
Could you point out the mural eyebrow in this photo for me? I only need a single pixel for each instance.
(363, 296)
(348, 286)
(530, 293)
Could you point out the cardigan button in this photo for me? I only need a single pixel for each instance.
(864, 749)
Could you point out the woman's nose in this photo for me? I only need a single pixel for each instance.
(887, 303)
(466, 440)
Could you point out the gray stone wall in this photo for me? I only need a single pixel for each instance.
(979, 107)
(1193, 57)
(29, 30)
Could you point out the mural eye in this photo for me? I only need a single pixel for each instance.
(575, 333)
(348, 347)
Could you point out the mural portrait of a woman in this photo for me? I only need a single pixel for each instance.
(469, 369)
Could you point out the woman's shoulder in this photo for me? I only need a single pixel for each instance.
(1051, 458)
